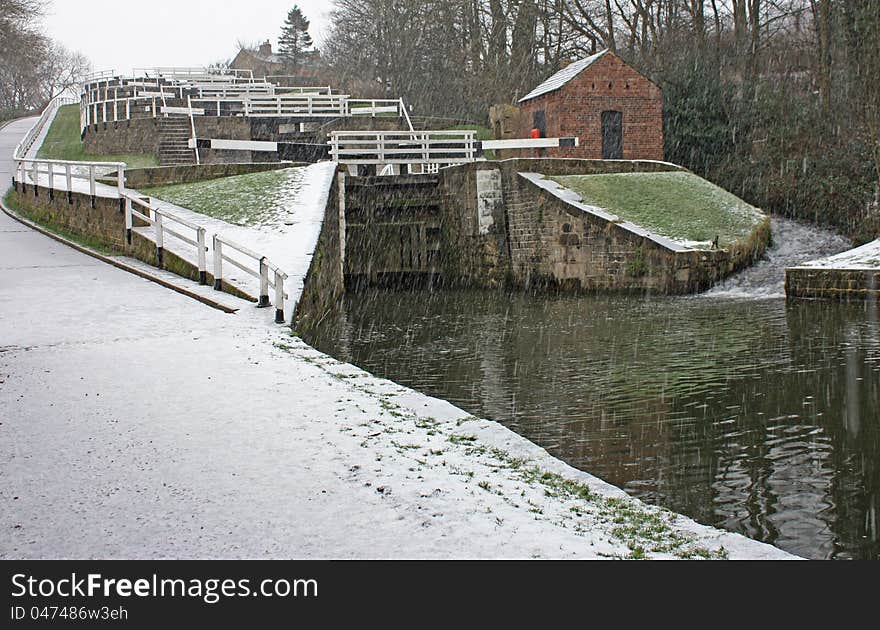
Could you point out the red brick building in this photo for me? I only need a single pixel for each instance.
(615, 112)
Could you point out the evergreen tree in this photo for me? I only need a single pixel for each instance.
(295, 39)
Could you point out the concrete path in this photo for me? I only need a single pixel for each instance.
(138, 423)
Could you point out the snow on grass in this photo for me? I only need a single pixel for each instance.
(866, 257)
(260, 200)
(677, 205)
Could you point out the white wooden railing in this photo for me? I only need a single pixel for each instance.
(31, 171)
(160, 218)
(268, 274)
(114, 99)
(60, 175)
(403, 147)
(164, 222)
(46, 117)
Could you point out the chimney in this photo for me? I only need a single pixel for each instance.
(265, 49)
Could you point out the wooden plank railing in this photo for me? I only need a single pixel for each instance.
(60, 175)
(160, 218)
(46, 117)
(30, 171)
(267, 273)
(403, 147)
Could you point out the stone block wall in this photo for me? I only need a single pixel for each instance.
(534, 239)
(103, 225)
(324, 283)
(138, 135)
(142, 135)
(832, 284)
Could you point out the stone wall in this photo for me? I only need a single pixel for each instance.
(833, 284)
(138, 135)
(527, 237)
(102, 226)
(553, 242)
(142, 135)
(324, 283)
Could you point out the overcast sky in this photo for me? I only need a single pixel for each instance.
(124, 34)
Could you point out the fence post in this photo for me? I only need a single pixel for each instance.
(203, 264)
(22, 177)
(264, 284)
(218, 264)
(120, 184)
(279, 297)
(92, 183)
(68, 176)
(34, 174)
(51, 168)
(128, 220)
(160, 240)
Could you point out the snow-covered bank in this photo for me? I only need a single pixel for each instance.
(140, 423)
(864, 258)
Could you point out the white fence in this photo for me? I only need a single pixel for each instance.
(159, 219)
(403, 147)
(275, 279)
(61, 175)
(50, 174)
(114, 99)
(48, 114)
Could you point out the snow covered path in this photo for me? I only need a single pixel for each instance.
(138, 423)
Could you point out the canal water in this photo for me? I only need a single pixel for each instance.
(733, 407)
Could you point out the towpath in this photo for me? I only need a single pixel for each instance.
(139, 423)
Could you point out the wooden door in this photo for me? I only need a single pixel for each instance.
(612, 135)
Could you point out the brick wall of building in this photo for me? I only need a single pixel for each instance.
(576, 110)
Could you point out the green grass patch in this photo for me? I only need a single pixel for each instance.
(256, 199)
(63, 142)
(680, 206)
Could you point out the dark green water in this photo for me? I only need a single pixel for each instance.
(757, 416)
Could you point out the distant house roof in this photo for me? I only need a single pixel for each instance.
(563, 76)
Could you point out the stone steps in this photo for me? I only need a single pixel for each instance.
(174, 134)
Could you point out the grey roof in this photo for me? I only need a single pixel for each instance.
(563, 76)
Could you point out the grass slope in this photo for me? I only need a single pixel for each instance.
(253, 199)
(680, 206)
(63, 142)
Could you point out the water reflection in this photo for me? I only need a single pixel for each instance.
(753, 415)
